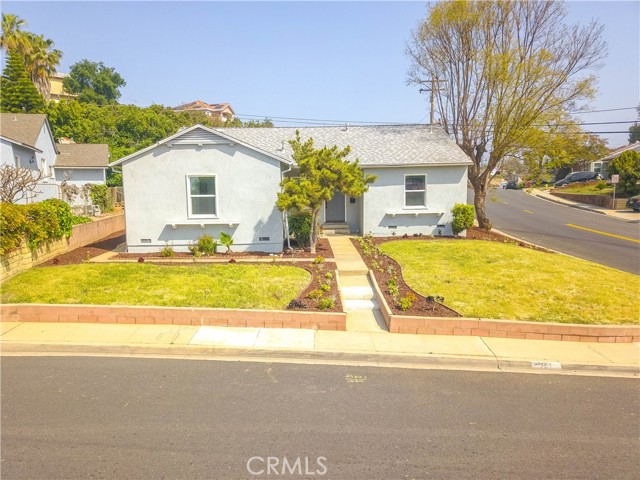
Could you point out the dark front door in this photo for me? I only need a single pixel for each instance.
(334, 208)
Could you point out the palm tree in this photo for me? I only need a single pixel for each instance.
(13, 38)
(41, 60)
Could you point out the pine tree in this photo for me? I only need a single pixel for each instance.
(17, 93)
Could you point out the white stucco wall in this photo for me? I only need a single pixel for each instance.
(446, 186)
(8, 152)
(247, 183)
(48, 155)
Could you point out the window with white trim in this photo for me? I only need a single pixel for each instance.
(415, 191)
(202, 195)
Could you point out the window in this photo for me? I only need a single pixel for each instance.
(202, 195)
(415, 191)
(597, 167)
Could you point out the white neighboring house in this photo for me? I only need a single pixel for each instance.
(26, 141)
(601, 166)
(204, 180)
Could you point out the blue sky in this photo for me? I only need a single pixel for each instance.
(314, 60)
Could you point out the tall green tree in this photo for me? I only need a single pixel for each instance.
(627, 165)
(634, 133)
(498, 69)
(321, 173)
(41, 61)
(13, 37)
(17, 92)
(94, 82)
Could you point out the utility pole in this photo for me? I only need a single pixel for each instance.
(432, 100)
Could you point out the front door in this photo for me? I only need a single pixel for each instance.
(334, 208)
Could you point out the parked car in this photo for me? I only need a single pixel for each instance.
(634, 203)
(512, 185)
(578, 177)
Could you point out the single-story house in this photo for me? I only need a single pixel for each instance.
(26, 141)
(204, 180)
(601, 165)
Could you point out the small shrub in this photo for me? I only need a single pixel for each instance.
(227, 241)
(392, 285)
(463, 216)
(405, 303)
(167, 252)
(325, 287)
(193, 248)
(140, 259)
(601, 185)
(77, 220)
(326, 303)
(328, 275)
(300, 227)
(207, 245)
(295, 304)
(318, 260)
(434, 298)
(315, 294)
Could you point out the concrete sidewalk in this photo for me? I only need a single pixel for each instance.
(387, 349)
(628, 215)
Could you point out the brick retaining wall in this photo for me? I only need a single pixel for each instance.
(504, 328)
(24, 258)
(177, 316)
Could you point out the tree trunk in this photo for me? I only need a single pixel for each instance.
(313, 233)
(479, 196)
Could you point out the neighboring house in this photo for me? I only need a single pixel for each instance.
(81, 163)
(220, 111)
(204, 180)
(57, 91)
(26, 141)
(601, 166)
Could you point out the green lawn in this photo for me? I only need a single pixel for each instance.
(585, 189)
(216, 286)
(504, 281)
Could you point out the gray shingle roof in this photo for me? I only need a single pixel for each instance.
(379, 145)
(22, 127)
(82, 155)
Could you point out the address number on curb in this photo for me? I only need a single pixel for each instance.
(547, 365)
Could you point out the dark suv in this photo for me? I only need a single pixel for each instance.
(578, 177)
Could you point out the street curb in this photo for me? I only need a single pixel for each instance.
(570, 205)
(399, 360)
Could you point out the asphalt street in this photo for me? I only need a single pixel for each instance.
(593, 236)
(83, 417)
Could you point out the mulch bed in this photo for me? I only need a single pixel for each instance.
(423, 306)
(82, 254)
(322, 249)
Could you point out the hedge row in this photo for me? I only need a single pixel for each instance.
(36, 222)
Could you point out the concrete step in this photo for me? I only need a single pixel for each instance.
(360, 305)
(357, 293)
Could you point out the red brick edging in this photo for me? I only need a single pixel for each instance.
(504, 328)
(177, 316)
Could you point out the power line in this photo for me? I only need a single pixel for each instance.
(607, 110)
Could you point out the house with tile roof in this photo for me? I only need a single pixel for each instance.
(26, 141)
(204, 180)
(220, 111)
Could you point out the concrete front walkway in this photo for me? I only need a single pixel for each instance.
(377, 347)
(358, 300)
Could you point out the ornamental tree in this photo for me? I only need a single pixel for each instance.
(17, 92)
(627, 165)
(322, 173)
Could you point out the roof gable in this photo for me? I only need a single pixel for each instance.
(24, 128)
(198, 135)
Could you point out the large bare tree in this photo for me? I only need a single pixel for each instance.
(497, 70)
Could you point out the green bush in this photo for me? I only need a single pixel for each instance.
(100, 197)
(319, 260)
(326, 303)
(206, 245)
(463, 216)
(405, 302)
(627, 165)
(77, 220)
(37, 222)
(315, 294)
(300, 227)
(167, 252)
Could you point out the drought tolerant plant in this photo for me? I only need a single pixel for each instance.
(315, 294)
(405, 303)
(206, 245)
(167, 251)
(325, 287)
(318, 260)
(326, 303)
(227, 241)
